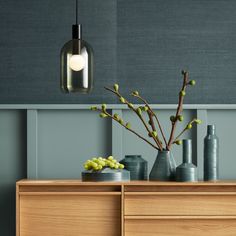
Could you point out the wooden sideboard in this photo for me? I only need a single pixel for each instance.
(137, 208)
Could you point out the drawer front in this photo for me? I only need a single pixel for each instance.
(191, 227)
(65, 215)
(180, 205)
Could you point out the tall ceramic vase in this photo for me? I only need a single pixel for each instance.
(187, 171)
(164, 167)
(211, 155)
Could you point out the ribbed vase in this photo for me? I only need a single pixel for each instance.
(136, 165)
(211, 155)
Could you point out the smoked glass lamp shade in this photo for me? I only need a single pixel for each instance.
(77, 67)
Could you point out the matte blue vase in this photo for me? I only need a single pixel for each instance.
(136, 165)
(164, 167)
(211, 155)
(187, 171)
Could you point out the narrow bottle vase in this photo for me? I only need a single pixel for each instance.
(211, 155)
(187, 171)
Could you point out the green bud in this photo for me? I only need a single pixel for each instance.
(130, 105)
(93, 108)
(182, 93)
(172, 119)
(121, 166)
(103, 115)
(178, 142)
(198, 121)
(96, 168)
(100, 167)
(116, 116)
(139, 111)
(112, 165)
(154, 133)
(136, 93)
(180, 118)
(192, 82)
(116, 166)
(128, 125)
(122, 100)
(104, 106)
(116, 87)
(189, 126)
(145, 108)
(94, 165)
(121, 121)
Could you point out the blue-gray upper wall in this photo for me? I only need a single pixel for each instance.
(138, 43)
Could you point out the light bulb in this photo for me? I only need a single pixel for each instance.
(76, 62)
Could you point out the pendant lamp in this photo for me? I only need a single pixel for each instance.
(76, 62)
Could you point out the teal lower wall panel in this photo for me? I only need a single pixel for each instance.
(66, 139)
(13, 159)
(226, 131)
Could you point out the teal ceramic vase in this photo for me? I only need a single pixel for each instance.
(187, 171)
(164, 167)
(211, 155)
(136, 165)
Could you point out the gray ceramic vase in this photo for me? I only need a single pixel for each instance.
(136, 165)
(164, 167)
(187, 171)
(211, 155)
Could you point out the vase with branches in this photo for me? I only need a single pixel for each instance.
(164, 166)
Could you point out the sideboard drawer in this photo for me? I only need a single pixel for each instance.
(183, 204)
(181, 227)
(47, 214)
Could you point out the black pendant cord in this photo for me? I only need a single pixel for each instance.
(76, 32)
(76, 12)
(76, 28)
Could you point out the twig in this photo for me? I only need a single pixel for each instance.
(179, 110)
(131, 130)
(153, 114)
(185, 129)
(140, 116)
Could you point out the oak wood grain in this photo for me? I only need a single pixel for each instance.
(137, 208)
(180, 204)
(69, 215)
(180, 227)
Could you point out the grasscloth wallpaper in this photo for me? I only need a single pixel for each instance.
(138, 43)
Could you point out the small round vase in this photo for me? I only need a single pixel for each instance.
(164, 167)
(187, 171)
(136, 165)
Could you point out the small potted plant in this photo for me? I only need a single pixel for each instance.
(164, 166)
(104, 169)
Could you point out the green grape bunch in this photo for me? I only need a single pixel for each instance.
(100, 163)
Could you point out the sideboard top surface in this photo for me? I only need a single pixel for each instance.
(128, 183)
